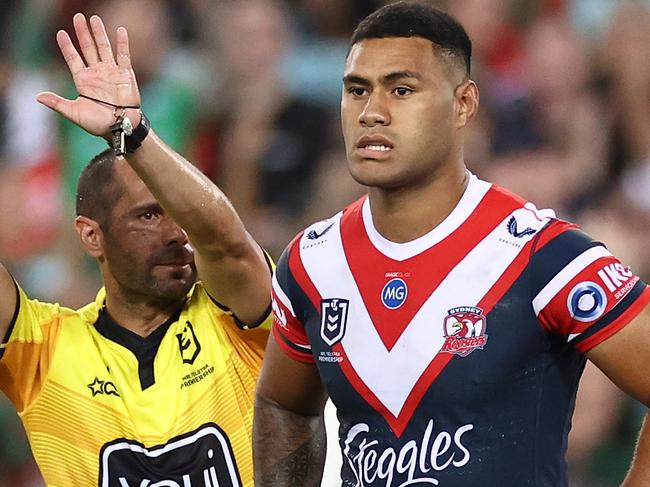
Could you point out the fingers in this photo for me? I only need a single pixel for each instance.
(122, 48)
(70, 54)
(101, 39)
(56, 103)
(86, 41)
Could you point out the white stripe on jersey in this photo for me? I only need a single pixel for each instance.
(279, 292)
(391, 375)
(563, 277)
(473, 195)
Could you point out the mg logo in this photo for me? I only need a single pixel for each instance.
(394, 293)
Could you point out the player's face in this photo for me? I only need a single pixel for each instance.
(399, 111)
(146, 252)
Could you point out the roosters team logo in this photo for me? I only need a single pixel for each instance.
(464, 329)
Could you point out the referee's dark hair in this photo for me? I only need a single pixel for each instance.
(416, 19)
(97, 189)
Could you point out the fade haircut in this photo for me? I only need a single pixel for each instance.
(98, 190)
(416, 19)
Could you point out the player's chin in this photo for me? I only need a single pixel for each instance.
(369, 173)
(175, 289)
(174, 280)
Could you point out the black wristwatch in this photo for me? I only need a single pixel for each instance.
(138, 135)
(125, 138)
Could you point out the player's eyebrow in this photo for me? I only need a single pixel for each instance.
(352, 79)
(398, 75)
(388, 78)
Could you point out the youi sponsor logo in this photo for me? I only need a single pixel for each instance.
(415, 463)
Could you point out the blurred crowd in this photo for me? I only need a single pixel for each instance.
(249, 90)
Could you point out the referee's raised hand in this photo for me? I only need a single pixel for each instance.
(105, 82)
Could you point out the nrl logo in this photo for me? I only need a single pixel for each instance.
(464, 329)
(334, 316)
(188, 344)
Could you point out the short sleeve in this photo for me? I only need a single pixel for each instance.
(27, 348)
(288, 329)
(582, 292)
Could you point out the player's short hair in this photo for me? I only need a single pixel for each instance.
(97, 189)
(415, 19)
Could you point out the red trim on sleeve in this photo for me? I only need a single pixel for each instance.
(281, 340)
(618, 324)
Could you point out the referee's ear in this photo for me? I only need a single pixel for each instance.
(90, 235)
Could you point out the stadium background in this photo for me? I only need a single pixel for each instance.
(249, 90)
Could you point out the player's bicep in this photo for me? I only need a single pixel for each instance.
(624, 357)
(293, 385)
(8, 302)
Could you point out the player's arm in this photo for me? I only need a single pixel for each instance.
(289, 442)
(624, 358)
(7, 302)
(230, 264)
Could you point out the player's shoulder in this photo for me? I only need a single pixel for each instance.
(318, 233)
(43, 310)
(557, 239)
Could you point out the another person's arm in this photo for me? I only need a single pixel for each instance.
(7, 302)
(289, 442)
(231, 265)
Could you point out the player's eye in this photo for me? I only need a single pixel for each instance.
(402, 91)
(148, 215)
(357, 91)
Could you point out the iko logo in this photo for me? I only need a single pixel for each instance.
(587, 301)
(512, 229)
(201, 458)
(99, 386)
(614, 275)
(188, 344)
(394, 293)
(334, 316)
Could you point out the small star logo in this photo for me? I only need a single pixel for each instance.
(99, 386)
(96, 386)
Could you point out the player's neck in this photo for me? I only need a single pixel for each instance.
(404, 214)
(140, 316)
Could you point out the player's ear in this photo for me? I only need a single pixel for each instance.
(90, 235)
(467, 100)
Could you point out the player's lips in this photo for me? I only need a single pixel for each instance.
(175, 257)
(176, 264)
(374, 147)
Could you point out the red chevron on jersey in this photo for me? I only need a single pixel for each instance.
(400, 294)
(424, 271)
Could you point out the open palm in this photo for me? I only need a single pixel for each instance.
(97, 75)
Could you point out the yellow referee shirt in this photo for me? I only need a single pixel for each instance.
(104, 406)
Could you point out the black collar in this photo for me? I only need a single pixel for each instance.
(144, 348)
